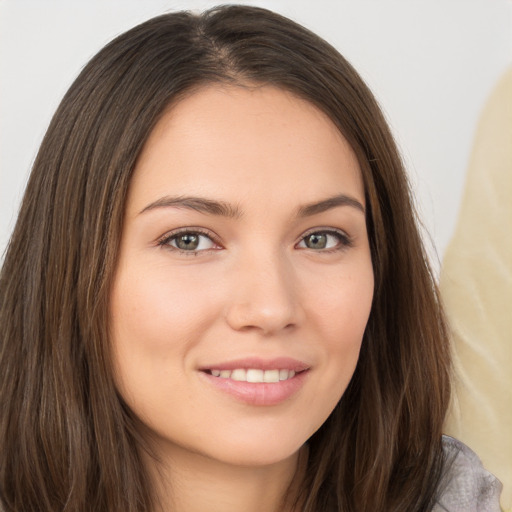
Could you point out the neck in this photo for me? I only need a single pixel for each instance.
(193, 483)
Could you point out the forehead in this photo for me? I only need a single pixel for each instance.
(259, 141)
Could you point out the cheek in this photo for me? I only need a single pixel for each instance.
(155, 321)
(342, 305)
(157, 305)
(340, 314)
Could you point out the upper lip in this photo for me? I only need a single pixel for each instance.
(278, 363)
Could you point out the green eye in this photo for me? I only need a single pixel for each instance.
(188, 241)
(325, 240)
(316, 241)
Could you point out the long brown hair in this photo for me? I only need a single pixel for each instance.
(67, 441)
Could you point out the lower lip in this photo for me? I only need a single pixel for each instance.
(259, 393)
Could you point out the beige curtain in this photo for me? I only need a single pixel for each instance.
(476, 285)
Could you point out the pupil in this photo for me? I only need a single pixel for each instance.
(188, 242)
(316, 241)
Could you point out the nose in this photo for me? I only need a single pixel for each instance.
(264, 296)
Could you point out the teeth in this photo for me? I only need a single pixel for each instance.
(239, 374)
(254, 375)
(271, 376)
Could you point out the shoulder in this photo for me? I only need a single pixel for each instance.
(466, 486)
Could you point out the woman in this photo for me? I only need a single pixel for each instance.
(216, 295)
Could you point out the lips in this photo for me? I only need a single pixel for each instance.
(258, 382)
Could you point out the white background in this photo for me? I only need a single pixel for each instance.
(431, 64)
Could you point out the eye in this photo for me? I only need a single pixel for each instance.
(188, 241)
(325, 240)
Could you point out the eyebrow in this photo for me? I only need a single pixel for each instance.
(310, 209)
(199, 204)
(224, 209)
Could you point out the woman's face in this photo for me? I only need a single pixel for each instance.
(244, 281)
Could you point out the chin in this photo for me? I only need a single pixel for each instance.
(262, 448)
(247, 456)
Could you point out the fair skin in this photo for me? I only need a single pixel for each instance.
(243, 288)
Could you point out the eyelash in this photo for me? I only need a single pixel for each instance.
(344, 241)
(164, 242)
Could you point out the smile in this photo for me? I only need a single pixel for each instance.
(254, 375)
(258, 382)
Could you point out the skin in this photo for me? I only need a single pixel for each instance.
(256, 287)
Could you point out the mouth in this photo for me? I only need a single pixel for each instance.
(258, 382)
(254, 375)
